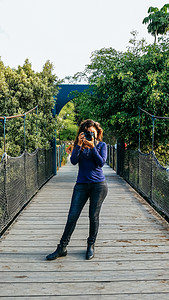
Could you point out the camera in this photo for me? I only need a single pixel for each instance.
(88, 135)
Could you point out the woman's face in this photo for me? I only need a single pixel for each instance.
(93, 129)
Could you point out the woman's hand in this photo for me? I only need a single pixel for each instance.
(89, 144)
(80, 139)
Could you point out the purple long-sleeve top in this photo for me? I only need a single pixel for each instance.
(90, 163)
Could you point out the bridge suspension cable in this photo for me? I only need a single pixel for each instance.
(153, 124)
(155, 117)
(4, 119)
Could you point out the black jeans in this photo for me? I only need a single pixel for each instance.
(96, 193)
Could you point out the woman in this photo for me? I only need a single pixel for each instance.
(90, 153)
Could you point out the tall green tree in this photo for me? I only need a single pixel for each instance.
(158, 21)
(21, 89)
(124, 81)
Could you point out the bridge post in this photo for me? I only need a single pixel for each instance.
(54, 156)
(54, 142)
(113, 163)
(120, 156)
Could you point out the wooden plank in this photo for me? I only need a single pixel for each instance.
(90, 275)
(83, 265)
(79, 255)
(54, 220)
(150, 296)
(100, 243)
(84, 288)
(50, 241)
(116, 227)
(99, 250)
(102, 234)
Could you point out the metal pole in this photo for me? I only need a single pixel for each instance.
(58, 157)
(139, 131)
(113, 157)
(54, 155)
(151, 183)
(37, 126)
(60, 154)
(25, 131)
(118, 168)
(54, 144)
(153, 120)
(4, 135)
(36, 121)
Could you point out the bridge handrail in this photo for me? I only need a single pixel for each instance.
(145, 174)
(20, 179)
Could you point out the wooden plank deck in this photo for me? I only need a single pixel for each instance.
(131, 260)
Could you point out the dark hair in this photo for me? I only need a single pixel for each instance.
(85, 125)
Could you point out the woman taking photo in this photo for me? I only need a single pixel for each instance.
(90, 153)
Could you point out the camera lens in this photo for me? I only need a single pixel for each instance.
(89, 135)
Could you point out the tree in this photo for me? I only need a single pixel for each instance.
(66, 125)
(158, 21)
(122, 83)
(22, 89)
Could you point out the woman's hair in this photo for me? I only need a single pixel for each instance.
(84, 127)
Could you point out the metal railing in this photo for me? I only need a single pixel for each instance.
(21, 177)
(145, 174)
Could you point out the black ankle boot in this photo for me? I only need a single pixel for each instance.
(60, 251)
(90, 251)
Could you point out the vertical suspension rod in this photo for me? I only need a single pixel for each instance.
(153, 128)
(139, 130)
(4, 123)
(25, 131)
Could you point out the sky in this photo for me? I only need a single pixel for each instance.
(66, 32)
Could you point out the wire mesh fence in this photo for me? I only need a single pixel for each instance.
(146, 175)
(21, 177)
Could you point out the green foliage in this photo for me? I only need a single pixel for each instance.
(22, 89)
(158, 20)
(66, 125)
(122, 82)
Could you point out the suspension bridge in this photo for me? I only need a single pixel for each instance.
(131, 260)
